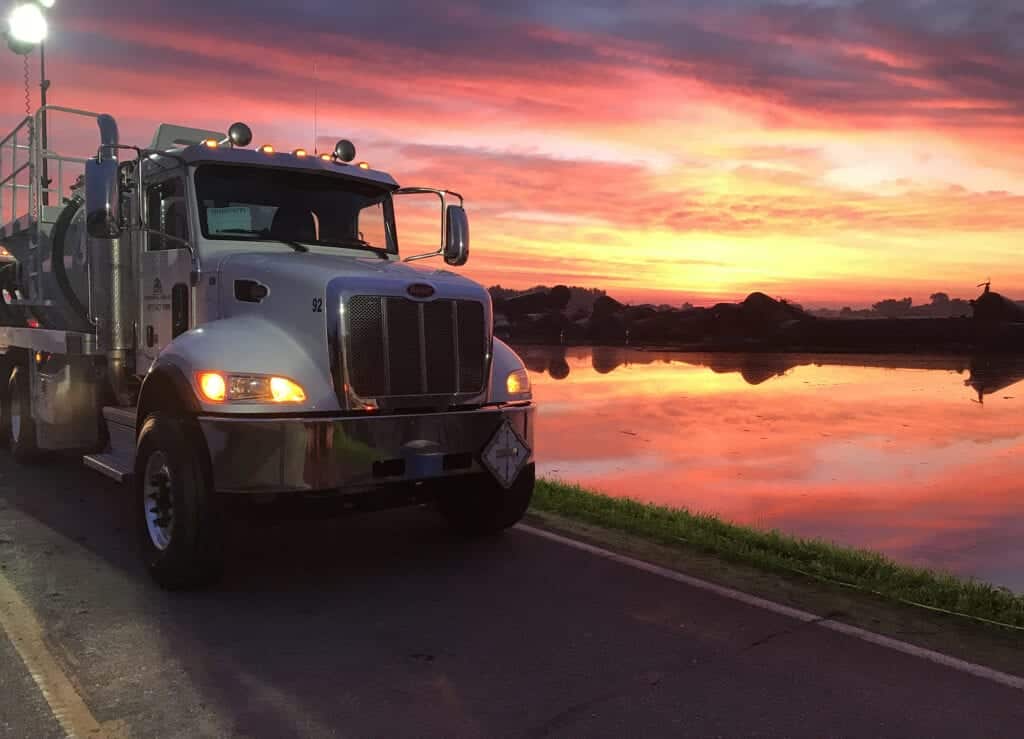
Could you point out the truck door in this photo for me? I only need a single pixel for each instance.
(165, 268)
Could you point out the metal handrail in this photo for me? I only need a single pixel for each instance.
(15, 173)
(11, 143)
(29, 160)
(41, 155)
(14, 132)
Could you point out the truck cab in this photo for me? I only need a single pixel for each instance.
(206, 321)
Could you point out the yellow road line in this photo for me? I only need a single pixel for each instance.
(23, 629)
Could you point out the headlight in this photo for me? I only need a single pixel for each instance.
(518, 382)
(218, 387)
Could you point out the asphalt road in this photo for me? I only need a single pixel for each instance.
(386, 625)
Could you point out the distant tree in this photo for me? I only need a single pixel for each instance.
(959, 307)
(892, 308)
(687, 306)
(560, 296)
(940, 300)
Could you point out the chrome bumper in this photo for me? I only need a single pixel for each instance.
(352, 453)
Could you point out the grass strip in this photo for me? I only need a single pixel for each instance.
(778, 552)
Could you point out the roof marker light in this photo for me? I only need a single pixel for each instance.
(364, 165)
(326, 157)
(267, 149)
(211, 143)
(299, 152)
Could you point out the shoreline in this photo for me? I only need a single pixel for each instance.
(966, 618)
(960, 351)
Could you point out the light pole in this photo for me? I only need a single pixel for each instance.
(27, 29)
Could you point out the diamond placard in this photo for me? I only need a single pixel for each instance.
(505, 455)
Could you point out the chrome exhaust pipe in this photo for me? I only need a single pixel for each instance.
(112, 279)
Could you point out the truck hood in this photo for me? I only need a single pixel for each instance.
(306, 275)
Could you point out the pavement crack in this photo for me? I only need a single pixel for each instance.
(566, 716)
(799, 626)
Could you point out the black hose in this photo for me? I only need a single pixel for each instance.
(60, 229)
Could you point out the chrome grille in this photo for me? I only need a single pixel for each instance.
(399, 347)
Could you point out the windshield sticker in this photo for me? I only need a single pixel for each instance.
(228, 220)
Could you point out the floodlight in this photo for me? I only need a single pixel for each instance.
(26, 24)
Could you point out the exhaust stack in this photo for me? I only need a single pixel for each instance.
(112, 293)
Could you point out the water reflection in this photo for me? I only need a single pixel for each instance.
(987, 374)
(915, 456)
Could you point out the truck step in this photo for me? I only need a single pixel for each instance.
(120, 416)
(121, 430)
(119, 467)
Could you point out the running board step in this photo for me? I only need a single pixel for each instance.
(118, 467)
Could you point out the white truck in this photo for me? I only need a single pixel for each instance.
(203, 320)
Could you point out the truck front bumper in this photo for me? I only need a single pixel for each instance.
(353, 453)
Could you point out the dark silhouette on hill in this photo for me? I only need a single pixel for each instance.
(559, 315)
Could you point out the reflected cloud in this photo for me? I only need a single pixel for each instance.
(887, 453)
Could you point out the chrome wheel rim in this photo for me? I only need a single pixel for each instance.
(15, 417)
(156, 500)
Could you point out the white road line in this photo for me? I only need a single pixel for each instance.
(26, 634)
(986, 673)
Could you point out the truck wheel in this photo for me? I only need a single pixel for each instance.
(21, 429)
(478, 505)
(179, 521)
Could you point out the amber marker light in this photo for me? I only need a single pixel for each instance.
(213, 386)
(267, 149)
(299, 152)
(517, 382)
(283, 390)
(364, 165)
(211, 143)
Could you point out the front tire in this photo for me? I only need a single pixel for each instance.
(480, 506)
(180, 526)
(17, 417)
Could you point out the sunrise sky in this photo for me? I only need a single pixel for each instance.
(833, 152)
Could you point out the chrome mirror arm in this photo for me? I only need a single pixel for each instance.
(443, 195)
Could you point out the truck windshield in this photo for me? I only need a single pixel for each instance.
(261, 203)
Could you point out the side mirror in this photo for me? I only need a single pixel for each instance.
(454, 225)
(103, 198)
(456, 238)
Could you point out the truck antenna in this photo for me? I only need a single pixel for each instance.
(316, 90)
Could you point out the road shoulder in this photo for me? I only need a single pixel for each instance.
(991, 647)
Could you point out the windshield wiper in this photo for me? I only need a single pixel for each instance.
(360, 244)
(265, 234)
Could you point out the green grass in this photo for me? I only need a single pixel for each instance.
(777, 552)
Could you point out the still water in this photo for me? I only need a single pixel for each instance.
(917, 457)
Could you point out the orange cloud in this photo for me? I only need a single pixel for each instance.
(829, 154)
(893, 457)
